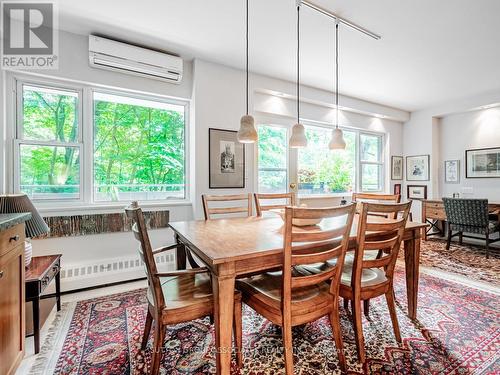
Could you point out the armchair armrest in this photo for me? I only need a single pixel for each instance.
(165, 248)
(183, 272)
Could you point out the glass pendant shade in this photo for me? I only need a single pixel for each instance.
(298, 138)
(247, 132)
(337, 142)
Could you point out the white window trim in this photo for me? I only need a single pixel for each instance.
(358, 182)
(85, 143)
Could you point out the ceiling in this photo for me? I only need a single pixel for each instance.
(430, 52)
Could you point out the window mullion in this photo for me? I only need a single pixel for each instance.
(88, 146)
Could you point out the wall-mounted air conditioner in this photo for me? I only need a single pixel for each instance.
(109, 54)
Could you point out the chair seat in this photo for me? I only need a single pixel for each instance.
(493, 226)
(185, 290)
(266, 288)
(369, 276)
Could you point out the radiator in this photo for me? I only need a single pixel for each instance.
(105, 271)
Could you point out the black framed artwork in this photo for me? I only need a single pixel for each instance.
(226, 160)
(482, 163)
(417, 192)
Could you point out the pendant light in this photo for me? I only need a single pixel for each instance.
(247, 132)
(337, 142)
(298, 138)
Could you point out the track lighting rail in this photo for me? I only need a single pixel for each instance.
(339, 19)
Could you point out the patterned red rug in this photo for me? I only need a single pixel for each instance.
(457, 332)
(468, 260)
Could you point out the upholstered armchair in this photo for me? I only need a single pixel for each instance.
(470, 216)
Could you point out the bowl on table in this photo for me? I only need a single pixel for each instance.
(297, 222)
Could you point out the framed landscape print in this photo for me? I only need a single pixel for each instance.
(397, 168)
(226, 159)
(417, 192)
(417, 168)
(482, 163)
(452, 171)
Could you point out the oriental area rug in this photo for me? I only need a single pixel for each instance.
(457, 332)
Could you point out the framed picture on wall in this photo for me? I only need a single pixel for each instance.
(417, 192)
(226, 160)
(452, 171)
(397, 168)
(397, 189)
(482, 163)
(417, 168)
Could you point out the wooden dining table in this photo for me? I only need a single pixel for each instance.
(233, 248)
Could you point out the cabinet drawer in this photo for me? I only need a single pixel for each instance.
(435, 214)
(431, 206)
(10, 238)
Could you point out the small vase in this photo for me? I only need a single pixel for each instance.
(28, 253)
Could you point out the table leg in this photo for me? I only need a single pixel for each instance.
(58, 290)
(36, 323)
(180, 254)
(412, 264)
(223, 289)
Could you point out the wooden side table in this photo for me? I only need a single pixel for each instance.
(39, 275)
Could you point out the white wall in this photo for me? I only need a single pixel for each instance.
(460, 132)
(217, 100)
(446, 129)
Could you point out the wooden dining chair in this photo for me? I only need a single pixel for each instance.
(289, 298)
(289, 199)
(173, 297)
(243, 207)
(369, 274)
(378, 198)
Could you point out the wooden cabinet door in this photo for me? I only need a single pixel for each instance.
(11, 310)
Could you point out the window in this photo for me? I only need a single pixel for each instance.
(273, 159)
(371, 162)
(316, 168)
(49, 143)
(129, 147)
(322, 171)
(138, 149)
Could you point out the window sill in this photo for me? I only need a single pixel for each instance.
(51, 209)
(347, 196)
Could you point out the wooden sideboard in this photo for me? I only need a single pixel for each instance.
(433, 213)
(12, 320)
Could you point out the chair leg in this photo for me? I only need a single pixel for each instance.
(358, 329)
(389, 296)
(448, 241)
(346, 303)
(337, 336)
(288, 346)
(487, 245)
(238, 334)
(460, 238)
(159, 336)
(147, 330)
(366, 307)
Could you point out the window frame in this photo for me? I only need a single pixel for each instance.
(292, 175)
(288, 156)
(85, 142)
(380, 163)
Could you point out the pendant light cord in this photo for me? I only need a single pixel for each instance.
(247, 57)
(337, 74)
(298, 64)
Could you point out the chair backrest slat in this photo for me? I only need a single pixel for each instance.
(289, 199)
(327, 240)
(389, 233)
(244, 206)
(359, 197)
(134, 213)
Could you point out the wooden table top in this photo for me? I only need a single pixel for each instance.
(225, 240)
(39, 267)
